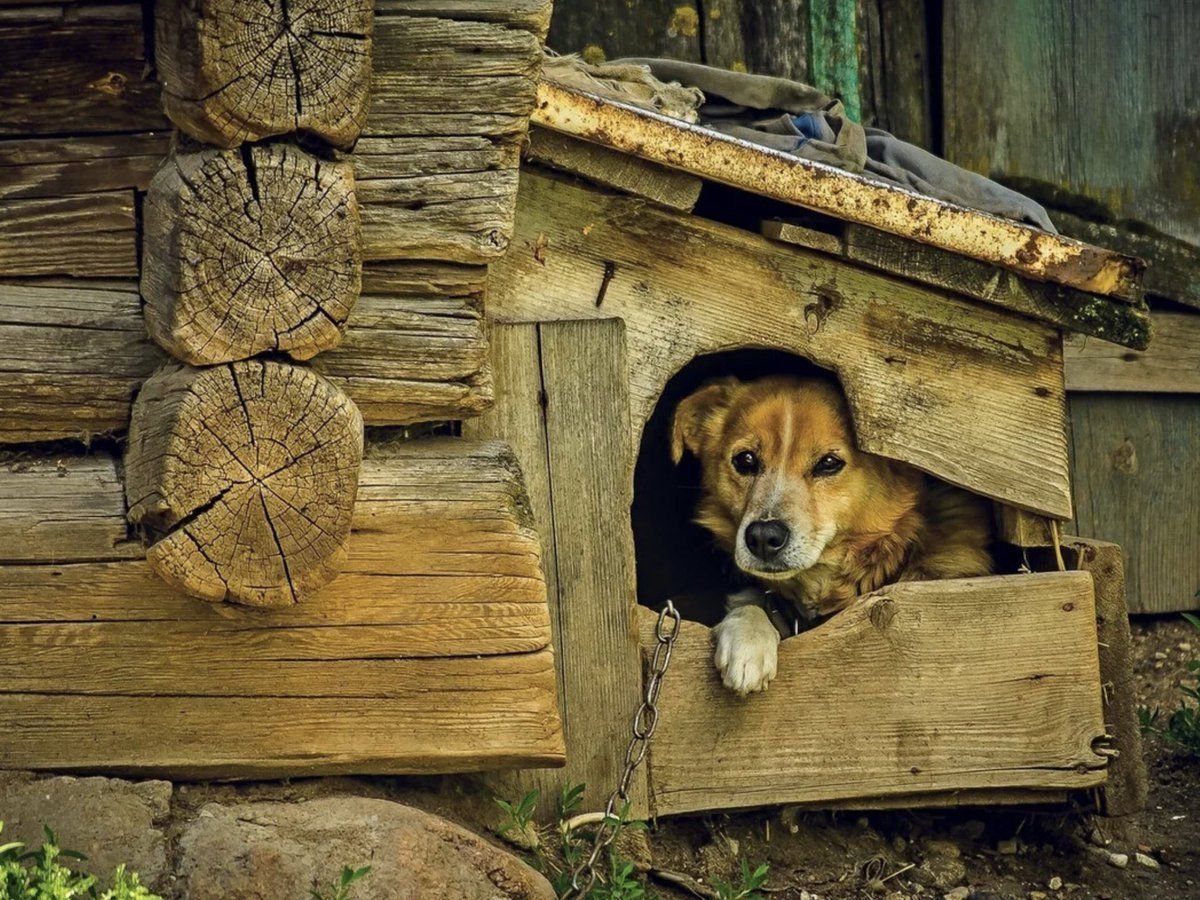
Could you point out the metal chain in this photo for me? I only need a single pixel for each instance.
(583, 879)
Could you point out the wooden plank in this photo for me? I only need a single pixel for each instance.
(923, 372)
(1137, 484)
(1103, 317)
(1012, 70)
(1023, 529)
(585, 380)
(833, 52)
(1028, 251)
(776, 38)
(608, 168)
(91, 235)
(903, 104)
(1171, 364)
(1127, 788)
(532, 15)
(611, 28)
(723, 33)
(888, 706)
(432, 658)
(62, 508)
(73, 357)
(86, 74)
(56, 167)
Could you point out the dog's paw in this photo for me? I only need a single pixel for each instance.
(747, 650)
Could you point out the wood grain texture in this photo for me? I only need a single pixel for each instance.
(1027, 87)
(1171, 364)
(72, 354)
(59, 509)
(876, 702)
(57, 167)
(724, 33)
(531, 15)
(902, 100)
(1023, 529)
(434, 659)
(608, 168)
(1133, 453)
(924, 372)
(90, 235)
(649, 28)
(86, 73)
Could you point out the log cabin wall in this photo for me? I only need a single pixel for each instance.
(228, 243)
(1086, 109)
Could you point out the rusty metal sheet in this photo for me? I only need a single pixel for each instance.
(1028, 251)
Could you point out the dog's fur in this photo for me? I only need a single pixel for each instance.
(870, 523)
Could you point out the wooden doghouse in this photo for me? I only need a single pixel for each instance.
(649, 254)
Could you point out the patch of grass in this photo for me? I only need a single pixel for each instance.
(40, 875)
(1182, 728)
(748, 887)
(341, 889)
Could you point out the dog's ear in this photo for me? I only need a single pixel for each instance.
(695, 415)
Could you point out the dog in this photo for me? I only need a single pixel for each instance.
(814, 520)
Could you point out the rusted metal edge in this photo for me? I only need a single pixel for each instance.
(718, 157)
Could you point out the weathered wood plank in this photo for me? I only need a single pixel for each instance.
(85, 74)
(724, 34)
(90, 235)
(1171, 364)
(532, 15)
(902, 104)
(1016, 708)
(611, 29)
(1028, 251)
(628, 174)
(1023, 529)
(924, 372)
(57, 167)
(73, 357)
(58, 509)
(1137, 484)
(1011, 69)
(433, 658)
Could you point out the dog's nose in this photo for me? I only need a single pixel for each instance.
(766, 538)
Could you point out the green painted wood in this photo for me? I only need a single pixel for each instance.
(1096, 99)
(834, 67)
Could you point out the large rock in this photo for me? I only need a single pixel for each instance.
(109, 820)
(278, 851)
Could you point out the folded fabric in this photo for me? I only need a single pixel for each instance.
(800, 120)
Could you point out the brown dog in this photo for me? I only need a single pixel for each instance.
(799, 507)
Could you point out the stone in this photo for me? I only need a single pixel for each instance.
(959, 893)
(1007, 847)
(1056, 883)
(1038, 895)
(278, 851)
(1120, 860)
(941, 871)
(109, 820)
(1146, 860)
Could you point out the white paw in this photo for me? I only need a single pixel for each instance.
(747, 650)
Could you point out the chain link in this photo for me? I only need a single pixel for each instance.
(583, 879)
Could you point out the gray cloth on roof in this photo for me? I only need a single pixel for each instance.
(798, 119)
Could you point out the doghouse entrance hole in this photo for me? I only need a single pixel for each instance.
(676, 558)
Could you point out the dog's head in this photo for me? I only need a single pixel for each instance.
(782, 476)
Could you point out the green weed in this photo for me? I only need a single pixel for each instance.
(39, 875)
(1182, 727)
(749, 886)
(341, 890)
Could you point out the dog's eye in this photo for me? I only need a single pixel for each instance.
(746, 463)
(829, 464)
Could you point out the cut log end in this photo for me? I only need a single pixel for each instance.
(244, 476)
(250, 252)
(234, 73)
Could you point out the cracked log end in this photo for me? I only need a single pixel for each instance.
(244, 476)
(250, 252)
(235, 72)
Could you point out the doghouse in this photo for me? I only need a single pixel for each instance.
(649, 254)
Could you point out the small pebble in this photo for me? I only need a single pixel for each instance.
(1007, 847)
(1185, 646)
(1120, 860)
(1097, 837)
(1056, 883)
(959, 893)
(1145, 860)
(1158, 654)
(1038, 895)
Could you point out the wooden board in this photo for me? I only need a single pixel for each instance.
(532, 15)
(57, 167)
(430, 653)
(62, 508)
(562, 400)
(968, 393)
(1171, 364)
(717, 157)
(90, 235)
(608, 168)
(1137, 484)
(612, 29)
(72, 356)
(1076, 311)
(1032, 91)
(937, 686)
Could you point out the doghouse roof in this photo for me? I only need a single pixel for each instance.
(1100, 290)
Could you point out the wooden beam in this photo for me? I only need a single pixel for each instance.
(1171, 364)
(57, 167)
(718, 157)
(923, 371)
(608, 168)
(531, 15)
(1016, 708)
(89, 235)
(429, 654)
